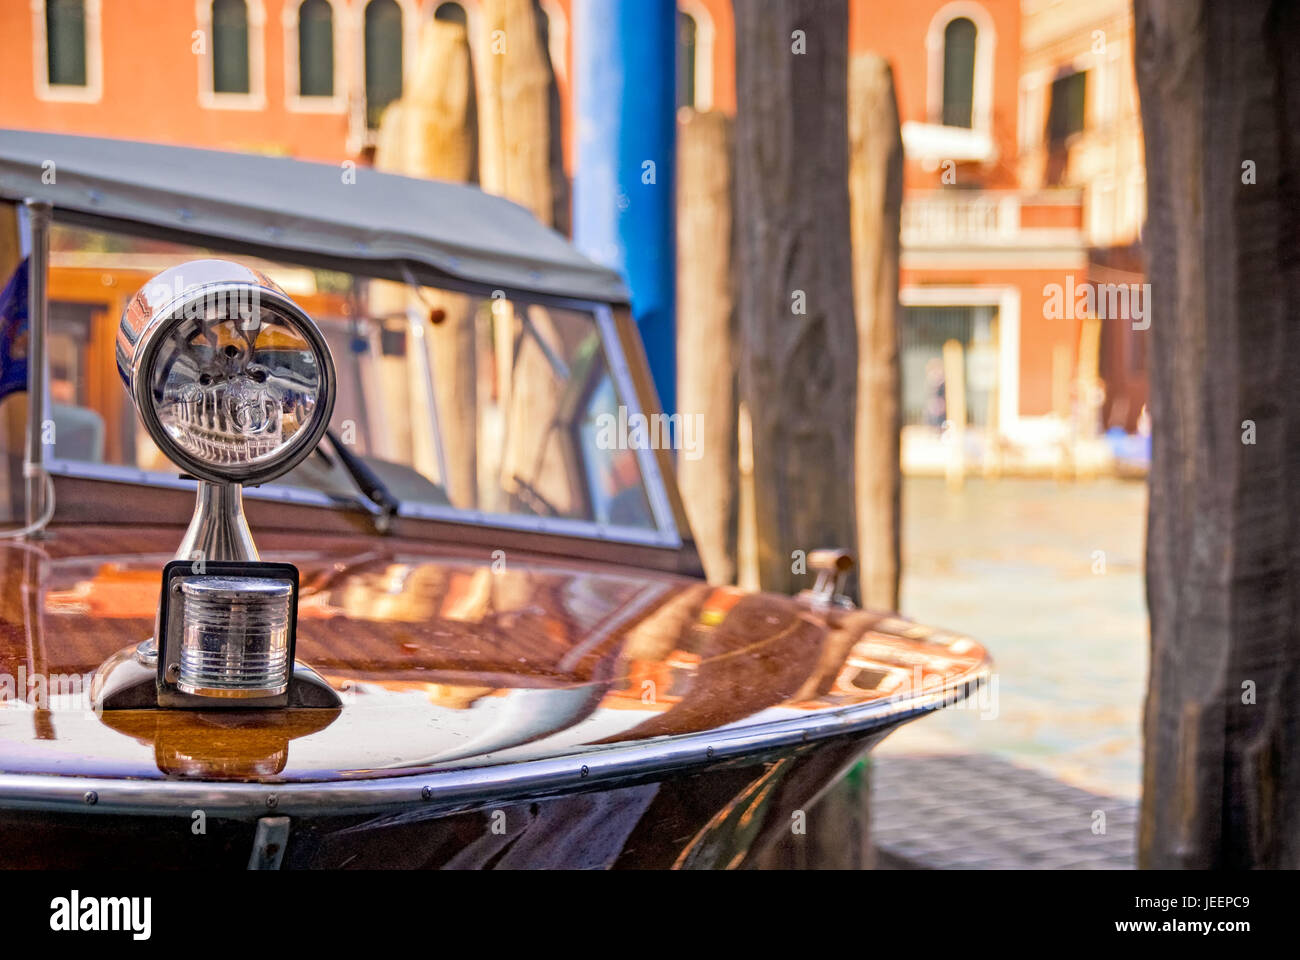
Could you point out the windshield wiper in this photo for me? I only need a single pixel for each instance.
(383, 505)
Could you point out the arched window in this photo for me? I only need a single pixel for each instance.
(65, 39)
(451, 13)
(315, 49)
(383, 43)
(230, 47)
(959, 72)
(695, 39)
(687, 34)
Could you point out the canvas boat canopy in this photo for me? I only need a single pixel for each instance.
(329, 214)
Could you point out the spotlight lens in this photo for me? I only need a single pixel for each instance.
(233, 386)
(232, 380)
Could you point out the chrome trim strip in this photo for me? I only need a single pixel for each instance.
(447, 791)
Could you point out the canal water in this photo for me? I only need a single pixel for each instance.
(1048, 575)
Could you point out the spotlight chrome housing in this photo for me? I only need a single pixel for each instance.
(232, 380)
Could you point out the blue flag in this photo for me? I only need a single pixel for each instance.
(13, 333)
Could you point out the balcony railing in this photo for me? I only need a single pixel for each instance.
(958, 218)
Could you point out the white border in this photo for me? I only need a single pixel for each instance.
(93, 91)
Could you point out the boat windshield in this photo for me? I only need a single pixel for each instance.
(466, 406)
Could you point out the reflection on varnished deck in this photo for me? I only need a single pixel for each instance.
(442, 660)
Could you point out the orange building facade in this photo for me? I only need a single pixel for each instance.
(149, 76)
(983, 242)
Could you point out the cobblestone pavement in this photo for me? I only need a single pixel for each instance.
(976, 811)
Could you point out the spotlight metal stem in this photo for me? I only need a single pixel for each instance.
(218, 530)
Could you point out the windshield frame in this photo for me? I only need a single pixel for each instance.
(668, 529)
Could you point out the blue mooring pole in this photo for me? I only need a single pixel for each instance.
(625, 183)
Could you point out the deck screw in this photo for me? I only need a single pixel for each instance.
(272, 801)
(709, 752)
(585, 771)
(426, 793)
(173, 672)
(90, 796)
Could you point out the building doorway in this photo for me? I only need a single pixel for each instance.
(924, 392)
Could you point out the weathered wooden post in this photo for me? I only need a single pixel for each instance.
(706, 340)
(876, 195)
(430, 133)
(954, 396)
(520, 160)
(799, 353)
(519, 128)
(1063, 382)
(1220, 95)
(1087, 399)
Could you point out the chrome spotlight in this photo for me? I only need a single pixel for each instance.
(233, 381)
(235, 384)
